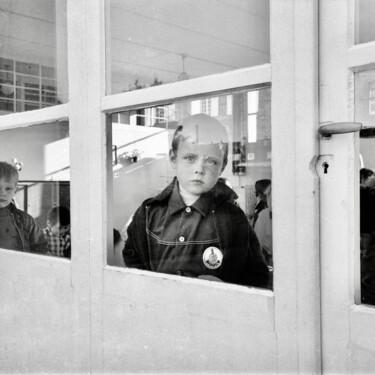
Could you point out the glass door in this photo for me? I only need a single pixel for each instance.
(164, 64)
(345, 169)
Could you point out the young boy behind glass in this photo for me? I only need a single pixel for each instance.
(193, 228)
(18, 230)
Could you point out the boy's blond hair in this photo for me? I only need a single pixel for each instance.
(8, 171)
(201, 129)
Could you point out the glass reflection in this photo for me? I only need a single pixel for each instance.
(41, 204)
(142, 168)
(365, 30)
(33, 57)
(365, 113)
(163, 41)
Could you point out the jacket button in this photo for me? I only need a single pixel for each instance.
(188, 209)
(182, 239)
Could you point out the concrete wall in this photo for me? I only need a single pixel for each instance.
(43, 150)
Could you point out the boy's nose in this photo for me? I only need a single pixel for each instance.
(199, 166)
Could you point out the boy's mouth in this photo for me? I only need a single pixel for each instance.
(197, 181)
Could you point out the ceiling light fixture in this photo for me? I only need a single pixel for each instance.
(183, 75)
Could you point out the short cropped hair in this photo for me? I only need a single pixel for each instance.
(60, 213)
(201, 123)
(365, 173)
(8, 171)
(261, 186)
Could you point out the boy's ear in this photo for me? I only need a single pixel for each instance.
(223, 167)
(172, 158)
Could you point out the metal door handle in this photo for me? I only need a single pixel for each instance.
(340, 128)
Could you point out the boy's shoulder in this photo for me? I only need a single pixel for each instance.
(223, 194)
(22, 216)
(232, 213)
(161, 197)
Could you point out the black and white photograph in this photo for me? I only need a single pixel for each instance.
(187, 187)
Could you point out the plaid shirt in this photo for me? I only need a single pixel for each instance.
(58, 245)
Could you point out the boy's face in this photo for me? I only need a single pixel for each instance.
(198, 166)
(8, 189)
(56, 228)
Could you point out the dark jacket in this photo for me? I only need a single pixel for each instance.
(244, 262)
(367, 209)
(31, 234)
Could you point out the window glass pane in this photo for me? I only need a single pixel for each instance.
(153, 42)
(40, 153)
(186, 235)
(365, 28)
(364, 112)
(33, 39)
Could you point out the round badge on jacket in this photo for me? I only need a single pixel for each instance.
(212, 258)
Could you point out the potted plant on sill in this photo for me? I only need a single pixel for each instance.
(130, 157)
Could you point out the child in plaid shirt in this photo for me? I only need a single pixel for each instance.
(18, 230)
(57, 232)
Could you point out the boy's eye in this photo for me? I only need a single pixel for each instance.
(189, 157)
(212, 162)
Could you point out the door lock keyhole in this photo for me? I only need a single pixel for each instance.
(325, 167)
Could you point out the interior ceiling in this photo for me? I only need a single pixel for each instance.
(147, 39)
(150, 37)
(28, 31)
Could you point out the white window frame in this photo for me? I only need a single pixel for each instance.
(360, 58)
(354, 321)
(88, 112)
(371, 103)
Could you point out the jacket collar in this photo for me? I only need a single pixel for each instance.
(176, 203)
(12, 206)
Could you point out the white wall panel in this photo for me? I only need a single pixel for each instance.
(41, 326)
